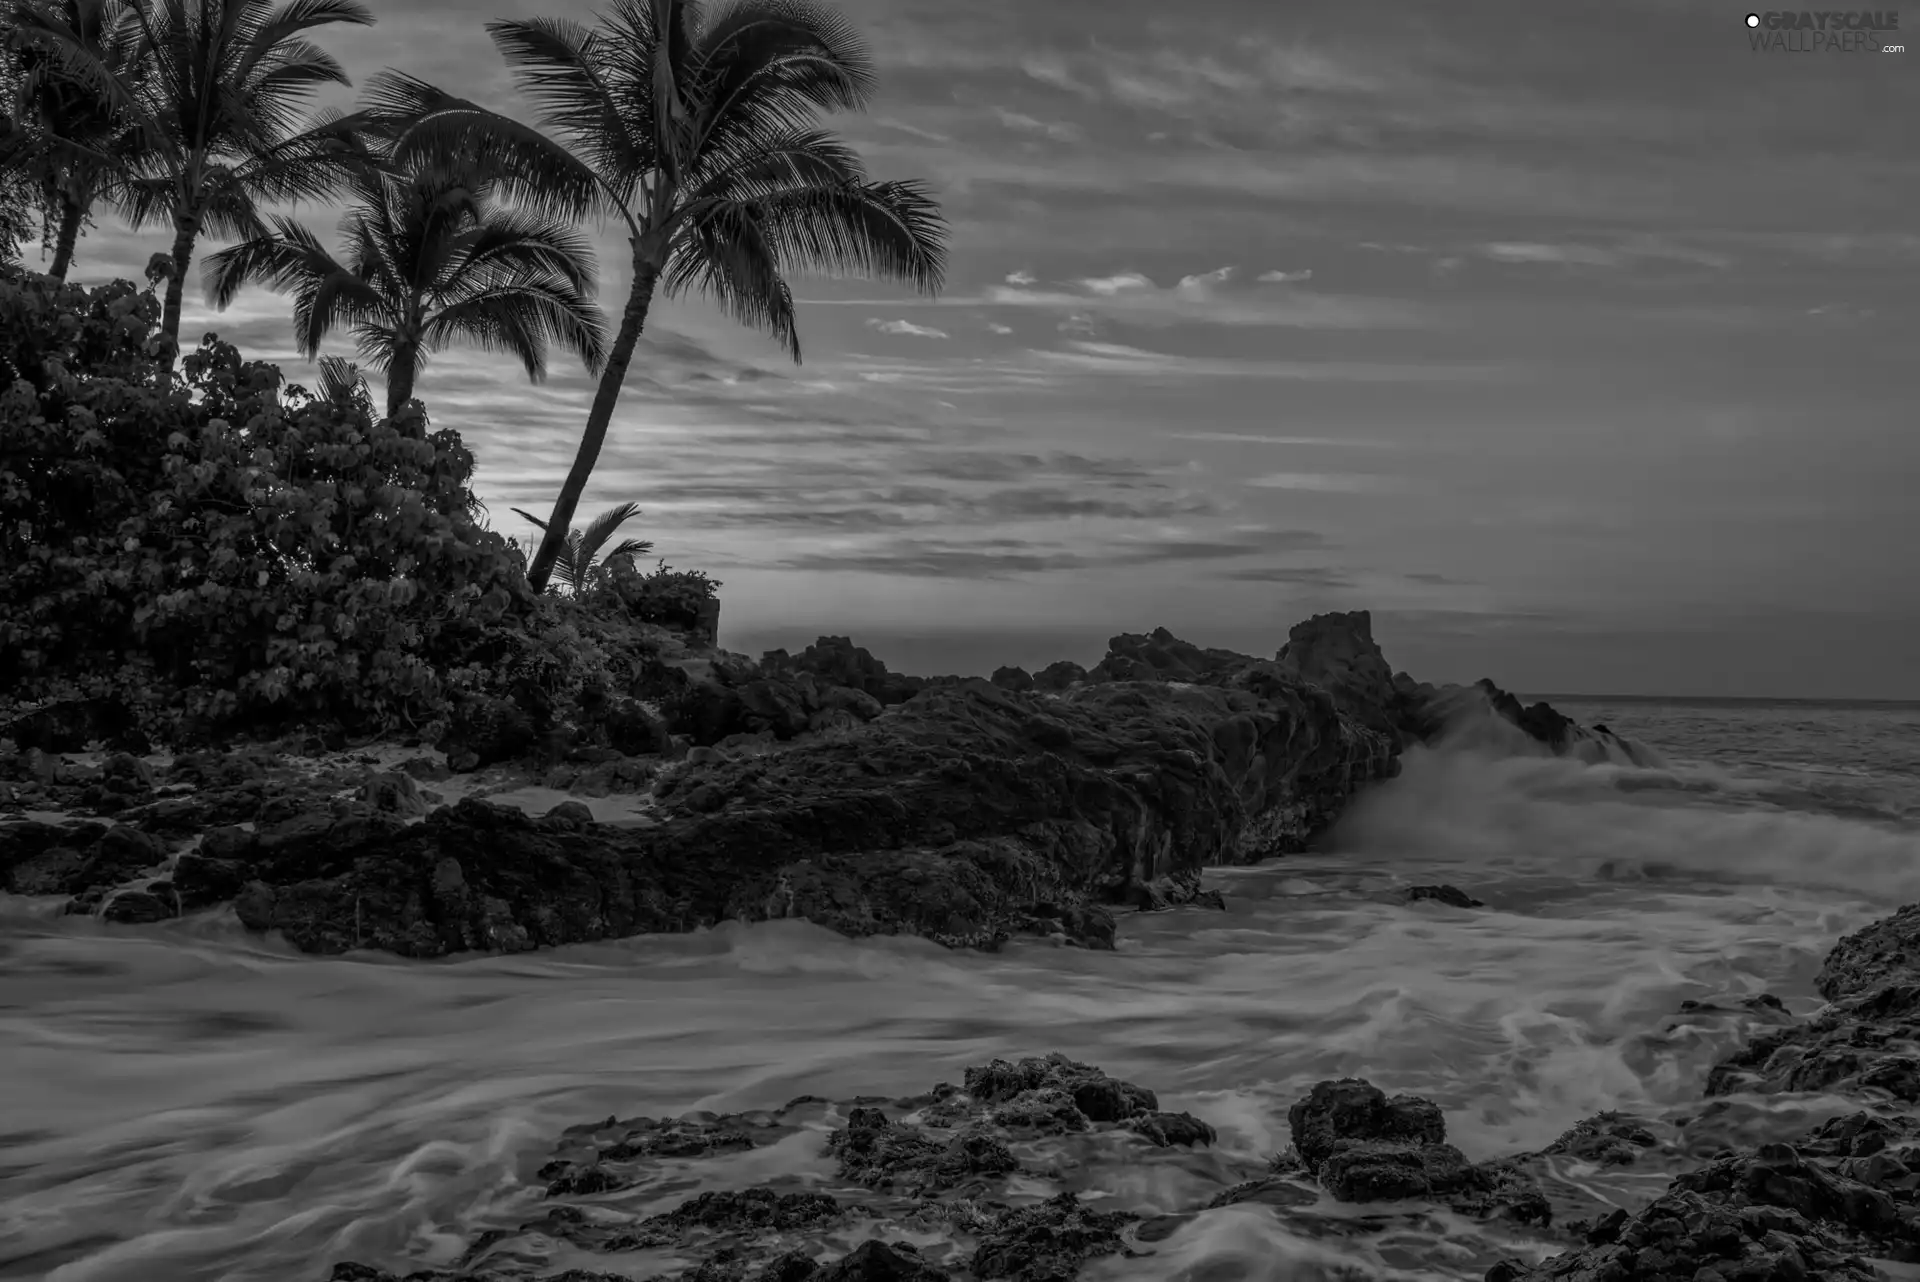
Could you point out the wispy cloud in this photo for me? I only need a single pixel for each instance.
(999, 558)
(1057, 130)
(1255, 438)
(1326, 482)
(906, 328)
(1621, 253)
(1279, 277)
(1108, 286)
(1301, 576)
(1119, 358)
(1205, 298)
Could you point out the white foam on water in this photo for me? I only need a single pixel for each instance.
(189, 1101)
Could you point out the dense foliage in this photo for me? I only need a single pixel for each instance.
(215, 549)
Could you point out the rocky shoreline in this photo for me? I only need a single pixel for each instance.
(1003, 1176)
(821, 786)
(817, 786)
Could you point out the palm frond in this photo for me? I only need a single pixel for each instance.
(518, 242)
(725, 254)
(602, 527)
(342, 383)
(521, 318)
(573, 76)
(893, 230)
(431, 127)
(777, 62)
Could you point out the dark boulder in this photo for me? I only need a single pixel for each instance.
(1452, 896)
(1364, 1147)
(154, 903)
(633, 729)
(66, 859)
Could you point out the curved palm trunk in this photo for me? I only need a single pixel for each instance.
(185, 229)
(402, 367)
(72, 213)
(632, 321)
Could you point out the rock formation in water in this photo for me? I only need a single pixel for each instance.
(817, 785)
(986, 1176)
(1818, 1201)
(942, 1168)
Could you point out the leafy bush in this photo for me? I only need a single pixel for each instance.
(672, 598)
(214, 550)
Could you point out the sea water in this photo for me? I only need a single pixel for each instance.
(188, 1101)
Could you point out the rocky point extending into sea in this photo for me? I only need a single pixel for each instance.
(822, 786)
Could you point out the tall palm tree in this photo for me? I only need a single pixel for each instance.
(695, 126)
(581, 548)
(70, 139)
(222, 80)
(430, 261)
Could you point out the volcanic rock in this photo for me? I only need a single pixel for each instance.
(1337, 652)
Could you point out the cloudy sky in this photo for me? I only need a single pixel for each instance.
(1577, 341)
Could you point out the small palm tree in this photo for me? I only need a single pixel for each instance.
(581, 554)
(68, 138)
(342, 383)
(215, 106)
(694, 126)
(430, 261)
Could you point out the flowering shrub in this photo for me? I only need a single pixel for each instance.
(214, 549)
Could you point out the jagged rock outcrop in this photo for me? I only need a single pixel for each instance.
(1482, 714)
(965, 815)
(961, 810)
(1161, 656)
(1337, 652)
(838, 662)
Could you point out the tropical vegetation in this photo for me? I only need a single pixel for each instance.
(208, 107)
(695, 128)
(582, 552)
(234, 546)
(431, 260)
(66, 142)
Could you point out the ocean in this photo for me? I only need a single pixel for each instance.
(185, 1101)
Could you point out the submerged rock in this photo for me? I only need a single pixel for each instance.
(1452, 896)
(941, 1172)
(1364, 1147)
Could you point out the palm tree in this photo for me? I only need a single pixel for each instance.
(430, 261)
(695, 127)
(342, 384)
(69, 139)
(582, 547)
(216, 115)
